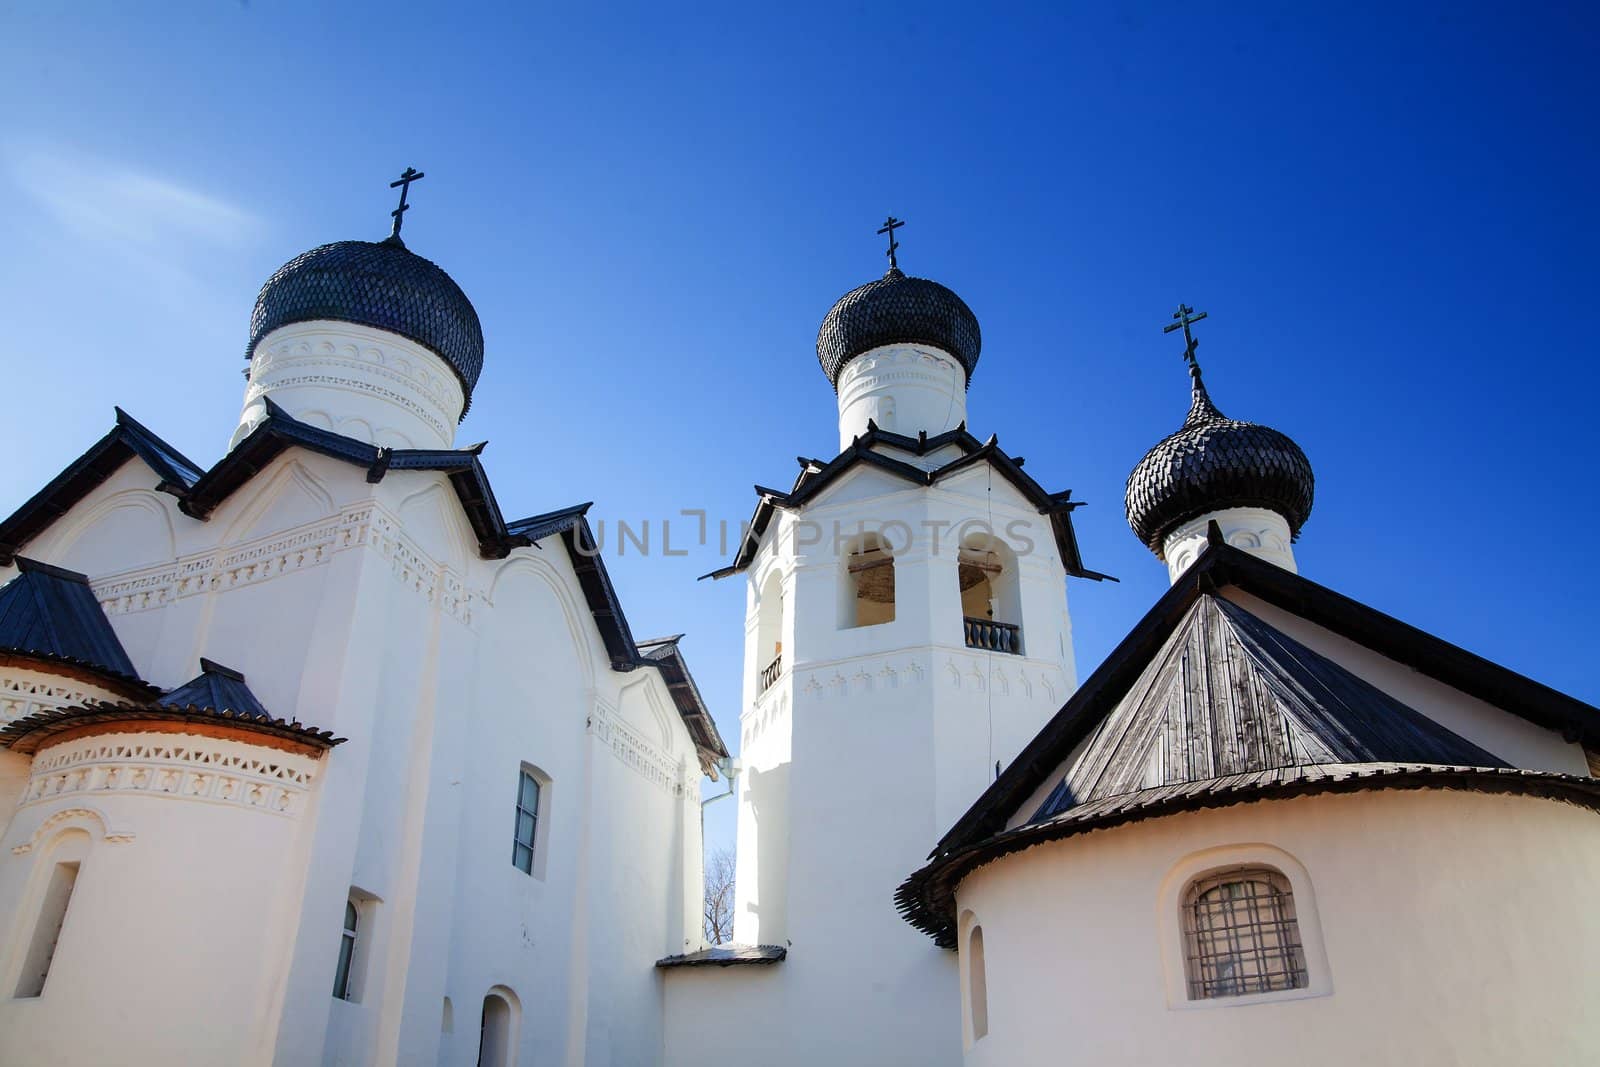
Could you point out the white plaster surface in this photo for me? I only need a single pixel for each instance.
(1450, 928)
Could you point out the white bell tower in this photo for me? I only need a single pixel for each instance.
(906, 629)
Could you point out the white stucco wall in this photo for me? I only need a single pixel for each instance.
(359, 382)
(871, 741)
(1258, 531)
(1451, 930)
(903, 388)
(180, 898)
(368, 611)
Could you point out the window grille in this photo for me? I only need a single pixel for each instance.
(527, 822)
(1242, 936)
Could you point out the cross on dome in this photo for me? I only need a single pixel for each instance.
(411, 174)
(890, 225)
(1186, 317)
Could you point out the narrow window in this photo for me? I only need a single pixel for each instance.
(1242, 935)
(47, 929)
(977, 984)
(769, 633)
(343, 987)
(527, 822)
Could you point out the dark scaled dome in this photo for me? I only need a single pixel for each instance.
(896, 309)
(379, 284)
(1214, 462)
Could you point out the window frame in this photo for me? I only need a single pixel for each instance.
(539, 818)
(349, 937)
(351, 972)
(1210, 862)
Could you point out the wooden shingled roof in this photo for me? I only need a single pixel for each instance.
(1205, 704)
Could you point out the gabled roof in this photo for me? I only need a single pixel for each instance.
(217, 696)
(199, 493)
(1229, 694)
(127, 439)
(1205, 704)
(663, 653)
(51, 613)
(816, 476)
(218, 688)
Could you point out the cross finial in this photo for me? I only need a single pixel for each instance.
(412, 174)
(1185, 317)
(890, 225)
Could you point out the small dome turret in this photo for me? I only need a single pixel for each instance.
(1213, 463)
(380, 284)
(897, 309)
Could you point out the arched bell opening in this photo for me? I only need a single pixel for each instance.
(991, 600)
(866, 582)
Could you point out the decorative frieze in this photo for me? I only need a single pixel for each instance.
(189, 768)
(636, 753)
(24, 693)
(360, 525)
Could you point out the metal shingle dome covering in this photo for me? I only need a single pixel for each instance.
(379, 284)
(897, 309)
(1214, 462)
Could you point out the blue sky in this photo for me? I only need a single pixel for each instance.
(1389, 216)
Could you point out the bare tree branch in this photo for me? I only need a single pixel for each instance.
(719, 897)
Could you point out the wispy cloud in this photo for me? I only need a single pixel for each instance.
(166, 229)
(115, 203)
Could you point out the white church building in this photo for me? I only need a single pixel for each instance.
(310, 756)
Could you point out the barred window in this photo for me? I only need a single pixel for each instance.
(1241, 934)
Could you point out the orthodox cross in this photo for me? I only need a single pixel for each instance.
(1185, 317)
(412, 174)
(890, 225)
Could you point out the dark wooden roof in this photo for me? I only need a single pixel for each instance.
(219, 688)
(1228, 694)
(51, 613)
(727, 956)
(199, 493)
(27, 735)
(815, 476)
(127, 439)
(663, 654)
(1204, 702)
(216, 694)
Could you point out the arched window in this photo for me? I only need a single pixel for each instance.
(1241, 935)
(64, 860)
(977, 984)
(867, 585)
(498, 1036)
(991, 595)
(343, 988)
(769, 633)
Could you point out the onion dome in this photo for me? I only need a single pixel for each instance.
(379, 284)
(897, 309)
(1214, 462)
